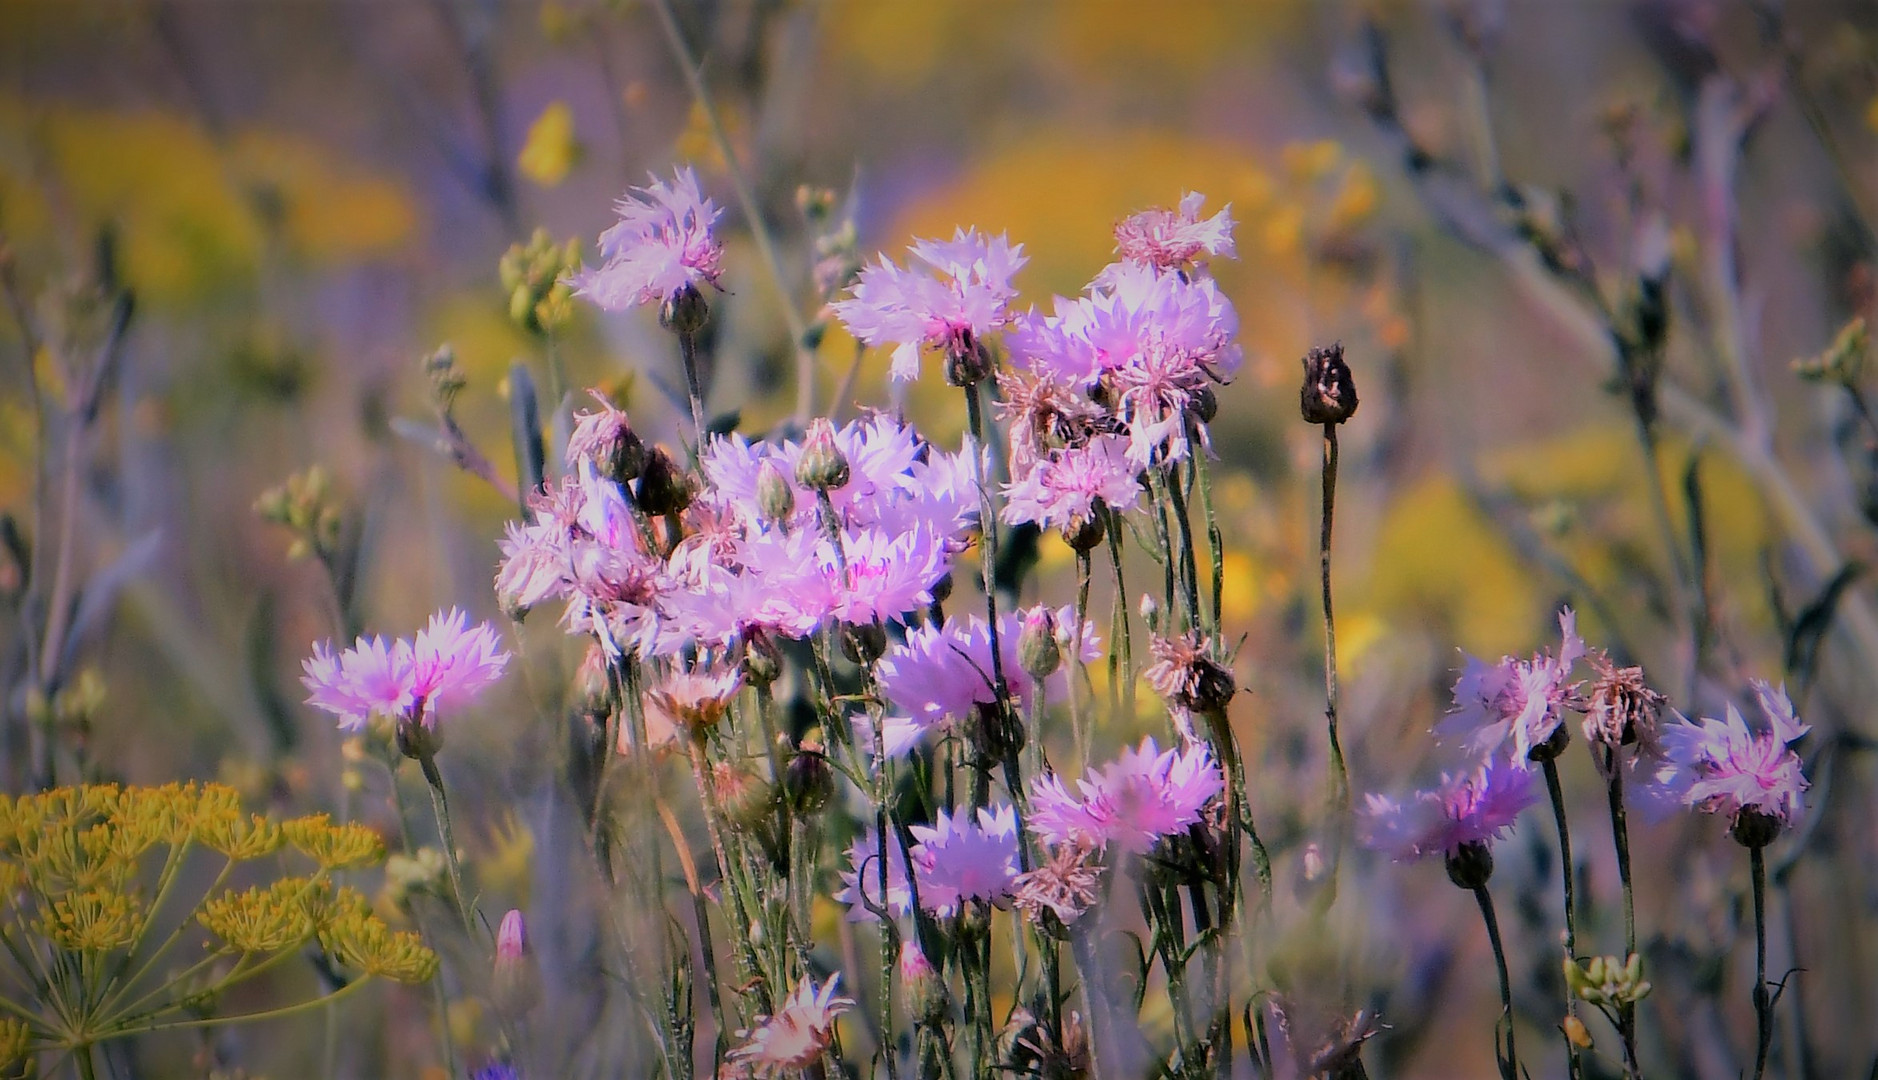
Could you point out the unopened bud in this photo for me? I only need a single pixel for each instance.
(1754, 829)
(1329, 392)
(863, 643)
(1470, 865)
(516, 984)
(822, 466)
(808, 782)
(684, 311)
(775, 495)
(762, 660)
(926, 999)
(418, 740)
(747, 800)
(663, 488)
(1576, 1032)
(1037, 648)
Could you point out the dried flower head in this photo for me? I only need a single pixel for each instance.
(696, 700)
(1328, 395)
(1186, 676)
(796, 1035)
(1066, 885)
(1174, 239)
(1620, 708)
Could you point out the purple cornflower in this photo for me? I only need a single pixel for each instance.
(944, 673)
(874, 576)
(1521, 700)
(862, 880)
(959, 859)
(661, 246)
(1475, 807)
(1060, 490)
(794, 1038)
(1725, 766)
(1141, 796)
(1172, 240)
(448, 663)
(952, 304)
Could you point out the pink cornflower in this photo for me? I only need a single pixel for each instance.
(1523, 701)
(1061, 490)
(447, 664)
(1172, 240)
(1725, 767)
(876, 575)
(1143, 795)
(661, 246)
(795, 1037)
(944, 673)
(1474, 807)
(959, 859)
(861, 880)
(951, 304)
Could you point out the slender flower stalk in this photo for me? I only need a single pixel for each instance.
(1550, 767)
(1763, 1001)
(1328, 398)
(1509, 1062)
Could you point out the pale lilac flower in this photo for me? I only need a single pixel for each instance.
(1061, 489)
(861, 880)
(1478, 806)
(661, 246)
(959, 859)
(944, 673)
(874, 576)
(795, 1037)
(951, 304)
(1132, 802)
(448, 663)
(1172, 240)
(1724, 766)
(1521, 701)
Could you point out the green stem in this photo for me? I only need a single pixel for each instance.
(440, 805)
(1553, 788)
(1620, 832)
(1126, 676)
(1214, 541)
(688, 352)
(1339, 772)
(1763, 1004)
(988, 528)
(1509, 1067)
(267, 1014)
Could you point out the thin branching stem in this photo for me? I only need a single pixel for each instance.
(1509, 1065)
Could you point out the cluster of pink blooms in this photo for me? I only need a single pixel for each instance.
(661, 246)
(1510, 714)
(448, 663)
(905, 511)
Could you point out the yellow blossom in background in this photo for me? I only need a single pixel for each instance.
(1871, 115)
(550, 150)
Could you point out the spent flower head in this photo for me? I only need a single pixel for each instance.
(794, 1038)
(1175, 239)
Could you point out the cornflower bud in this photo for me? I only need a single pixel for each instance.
(746, 799)
(516, 983)
(927, 1001)
(684, 311)
(822, 466)
(663, 488)
(1328, 395)
(808, 782)
(1754, 829)
(762, 660)
(1470, 865)
(775, 495)
(863, 643)
(1037, 648)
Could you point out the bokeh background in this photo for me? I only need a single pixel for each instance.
(306, 198)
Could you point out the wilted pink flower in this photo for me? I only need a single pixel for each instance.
(1472, 807)
(952, 304)
(959, 859)
(447, 664)
(1724, 766)
(661, 246)
(1523, 701)
(1143, 795)
(1170, 240)
(861, 880)
(795, 1037)
(1062, 488)
(1066, 885)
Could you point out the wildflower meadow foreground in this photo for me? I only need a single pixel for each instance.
(923, 732)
